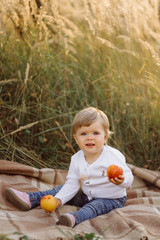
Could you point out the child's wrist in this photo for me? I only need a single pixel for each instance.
(59, 202)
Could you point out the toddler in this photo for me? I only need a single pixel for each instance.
(87, 184)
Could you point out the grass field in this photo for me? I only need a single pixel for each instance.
(57, 57)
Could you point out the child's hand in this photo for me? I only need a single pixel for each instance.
(59, 203)
(117, 181)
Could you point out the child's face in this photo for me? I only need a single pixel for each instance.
(91, 139)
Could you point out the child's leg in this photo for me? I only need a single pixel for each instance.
(26, 201)
(95, 208)
(35, 197)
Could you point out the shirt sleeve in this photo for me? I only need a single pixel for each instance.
(128, 176)
(72, 184)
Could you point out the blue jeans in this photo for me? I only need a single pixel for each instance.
(96, 207)
(89, 208)
(35, 197)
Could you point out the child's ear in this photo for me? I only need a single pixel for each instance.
(105, 139)
(74, 136)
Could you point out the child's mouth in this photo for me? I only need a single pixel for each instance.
(90, 144)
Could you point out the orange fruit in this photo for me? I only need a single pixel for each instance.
(48, 203)
(114, 171)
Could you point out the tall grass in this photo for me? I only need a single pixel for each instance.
(57, 57)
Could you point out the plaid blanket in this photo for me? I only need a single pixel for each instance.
(138, 220)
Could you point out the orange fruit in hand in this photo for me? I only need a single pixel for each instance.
(114, 171)
(48, 203)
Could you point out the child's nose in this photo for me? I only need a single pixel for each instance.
(90, 136)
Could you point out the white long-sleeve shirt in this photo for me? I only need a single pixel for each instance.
(92, 178)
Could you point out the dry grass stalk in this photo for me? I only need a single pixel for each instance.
(132, 18)
(111, 45)
(21, 129)
(26, 74)
(70, 145)
(9, 81)
(153, 52)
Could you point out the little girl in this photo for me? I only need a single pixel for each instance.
(88, 172)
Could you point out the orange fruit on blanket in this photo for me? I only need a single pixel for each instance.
(48, 203)
(114, 171)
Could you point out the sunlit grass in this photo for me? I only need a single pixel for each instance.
(62, 57)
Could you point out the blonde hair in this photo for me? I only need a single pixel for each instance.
(88, 116)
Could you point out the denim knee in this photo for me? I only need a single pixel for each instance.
(97, 207)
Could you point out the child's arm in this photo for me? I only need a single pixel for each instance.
(71, 185)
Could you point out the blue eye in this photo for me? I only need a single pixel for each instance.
(83, 134)
(95, 133)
